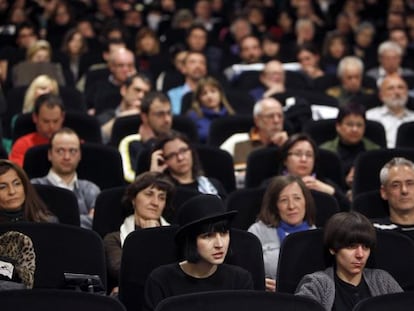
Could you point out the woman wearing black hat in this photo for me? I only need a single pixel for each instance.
(203, 238)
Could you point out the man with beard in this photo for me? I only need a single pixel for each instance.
(156, 120)
(195, 68)
(394, 95)
(64, 155)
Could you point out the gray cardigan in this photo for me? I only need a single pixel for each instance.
(320, 286)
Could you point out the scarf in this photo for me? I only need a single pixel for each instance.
(129, 225)
(284, 229)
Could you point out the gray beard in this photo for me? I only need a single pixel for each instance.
(396, 103)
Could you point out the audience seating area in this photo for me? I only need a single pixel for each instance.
(65, 247)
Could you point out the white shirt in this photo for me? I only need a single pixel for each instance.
(390, 122)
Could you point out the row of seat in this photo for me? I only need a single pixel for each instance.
(60, 249)
(242, 300)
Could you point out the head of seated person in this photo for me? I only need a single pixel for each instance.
(19, 200)
(42, 84)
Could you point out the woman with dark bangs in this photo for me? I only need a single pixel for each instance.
(349, 237)
(203, 238)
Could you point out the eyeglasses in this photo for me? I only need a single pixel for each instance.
(180, 153)
(62, 151)
(300, 154)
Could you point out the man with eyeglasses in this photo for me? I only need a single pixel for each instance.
(132, 91)
(268, 130)
(156, 120)
(105, 94)
(397, 187)
(350, 140)
(64, 154)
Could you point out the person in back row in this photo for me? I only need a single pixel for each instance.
(64, 155)
(156, 118)
(48, 116)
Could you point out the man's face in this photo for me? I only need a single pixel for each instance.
(197, 40)
(390, 60)
(122, 65)
(49, 120)
(399, 190)
(65, 154)
(351, 80)
(195, 66)
(159, 117)
(273, 73)
(270, 120)
(133, 95)
(393, 92)
(26, 38)
(250, 50)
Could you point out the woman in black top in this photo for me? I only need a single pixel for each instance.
(204, 239)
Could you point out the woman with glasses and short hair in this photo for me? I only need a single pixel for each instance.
(299, 157)
(174, 155)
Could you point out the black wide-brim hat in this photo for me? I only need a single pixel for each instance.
(201, 209)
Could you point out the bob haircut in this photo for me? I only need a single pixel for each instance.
(38, 46)
(155, 180)
(33, 207)
(291, 141)
(347, 228)
(269, 213)
(188, 244)
(349, 109)
(201, 85)
(173, 135)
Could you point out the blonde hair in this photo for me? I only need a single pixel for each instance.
(209, 81)
(40, 81)
(37, 46)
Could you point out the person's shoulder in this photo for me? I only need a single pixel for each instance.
(234, 270)
(164, 271)
(84, 183)
(40, 180)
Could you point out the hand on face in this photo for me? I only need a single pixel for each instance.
(158, 162)
(315, 184)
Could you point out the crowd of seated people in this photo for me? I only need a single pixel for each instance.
(153, 77)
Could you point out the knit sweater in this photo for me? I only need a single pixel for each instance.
(320, 286)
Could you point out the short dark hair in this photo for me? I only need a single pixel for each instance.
(349, 108)
(196, 26)
(137, 75)
(148, 179)
(49, 100)
(269, 213)
(188, 244)
(347, 228)
(150, 98)
(172, 135)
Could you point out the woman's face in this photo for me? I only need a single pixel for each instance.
(149, 203)
(337, 48)
(307, 59)
(147, 44)
(41, 56)
(212, 246)
(351, 260)
(291, 204)
(178, 156)
(210, 97)
(12, 193)
(300, 159)
(75, 44)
